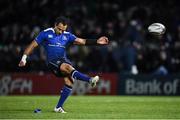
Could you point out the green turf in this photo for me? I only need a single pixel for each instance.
(91, 107)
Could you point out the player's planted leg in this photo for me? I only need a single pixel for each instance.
(65, 93)
(60, 110)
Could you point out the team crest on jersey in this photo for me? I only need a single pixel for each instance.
(50, 36)
(64, 38)
(57, 62)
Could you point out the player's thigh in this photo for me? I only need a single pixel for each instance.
(66, 68)
(54, 67)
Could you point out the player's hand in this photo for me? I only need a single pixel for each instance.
(22, 63)
(103, 40)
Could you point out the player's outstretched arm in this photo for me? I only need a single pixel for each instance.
(100, 41)
(27, 52)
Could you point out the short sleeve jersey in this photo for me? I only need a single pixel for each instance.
(54, 44)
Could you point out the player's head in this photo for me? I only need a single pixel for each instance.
(60, 25)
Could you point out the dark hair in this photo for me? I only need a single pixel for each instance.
(62, 19)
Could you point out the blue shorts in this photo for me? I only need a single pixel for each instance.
(54, 66)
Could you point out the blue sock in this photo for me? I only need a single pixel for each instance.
(80, 76)
(66, 91)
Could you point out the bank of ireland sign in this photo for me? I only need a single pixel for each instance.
(149, 85)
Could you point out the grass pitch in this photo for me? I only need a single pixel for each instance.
(91, 107)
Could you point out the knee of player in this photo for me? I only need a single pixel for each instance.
(69, 81)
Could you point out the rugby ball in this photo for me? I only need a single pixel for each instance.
(157, 29)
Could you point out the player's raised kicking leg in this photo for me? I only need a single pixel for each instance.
(76, 75)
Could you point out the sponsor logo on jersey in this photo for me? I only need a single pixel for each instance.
(50, 36)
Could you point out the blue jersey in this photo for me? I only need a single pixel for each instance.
(54, 44)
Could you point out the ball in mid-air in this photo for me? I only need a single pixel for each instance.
(157, 29)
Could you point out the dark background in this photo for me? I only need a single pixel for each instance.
(124, 22)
